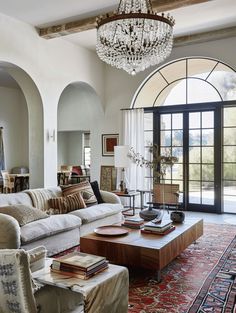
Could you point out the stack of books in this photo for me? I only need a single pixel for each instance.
(133, 222)
(162, 228)
(80, 265)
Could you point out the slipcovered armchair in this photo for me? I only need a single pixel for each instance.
(19, 293)
(8, 182)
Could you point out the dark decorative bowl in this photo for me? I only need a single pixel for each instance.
(177, 216)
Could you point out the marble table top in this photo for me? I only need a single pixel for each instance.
(46, 277)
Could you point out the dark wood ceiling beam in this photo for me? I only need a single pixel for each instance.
(90, 22)
(205, 36)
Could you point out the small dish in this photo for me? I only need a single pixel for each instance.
(111, 230)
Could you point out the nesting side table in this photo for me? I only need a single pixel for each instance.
(131, 196)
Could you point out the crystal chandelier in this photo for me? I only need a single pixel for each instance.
(134, 37)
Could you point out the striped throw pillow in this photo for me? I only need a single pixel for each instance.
(62, 205)
(84, 188)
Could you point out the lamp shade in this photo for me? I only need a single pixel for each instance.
(121, 156)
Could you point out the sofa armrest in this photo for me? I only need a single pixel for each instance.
(109, 197)
(9, 232)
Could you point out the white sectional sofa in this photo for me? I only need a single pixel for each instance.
(57, 232)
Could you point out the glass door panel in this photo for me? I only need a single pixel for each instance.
(229, 160)
(201, 167)
(171, 143)
(190, 136)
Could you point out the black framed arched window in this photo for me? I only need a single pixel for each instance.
(190, 107)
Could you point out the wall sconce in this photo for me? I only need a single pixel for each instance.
(51, 135)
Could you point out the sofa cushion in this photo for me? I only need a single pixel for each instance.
(61, 205)
(40, 196)
(84, 188)
(15, 198)
(23, 213)
(96, 191)
(50, 226)
(97, 212)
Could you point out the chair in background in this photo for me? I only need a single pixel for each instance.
(166, 195)
(8, 182)
(79, 173)
(19, 293)
(64, 174)
(21, 177)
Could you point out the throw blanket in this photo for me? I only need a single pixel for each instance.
(16, 293)
(40, 197)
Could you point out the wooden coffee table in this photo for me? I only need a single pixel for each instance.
(144, 250)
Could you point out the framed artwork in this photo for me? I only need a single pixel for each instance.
(108, 144)
(108, 178)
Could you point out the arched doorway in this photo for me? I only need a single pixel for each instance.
(28, 125)
(190, 107)
(79, 113)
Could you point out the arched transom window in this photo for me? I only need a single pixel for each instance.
(186, 81)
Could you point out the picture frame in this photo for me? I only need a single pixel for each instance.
(108, 176)
(109, 141)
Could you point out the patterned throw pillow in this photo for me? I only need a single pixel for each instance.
(84, 188)
(23, 213)
(62, 205)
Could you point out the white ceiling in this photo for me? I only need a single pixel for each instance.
(211, 15)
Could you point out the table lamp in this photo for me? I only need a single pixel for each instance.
(122, 161)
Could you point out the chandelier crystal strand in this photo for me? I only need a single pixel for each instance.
(134, 38)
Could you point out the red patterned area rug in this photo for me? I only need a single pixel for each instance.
(214, 253)
(184, 277)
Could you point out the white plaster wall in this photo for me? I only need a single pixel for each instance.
(80, 109)
(75, 148)
(52, 65)
(61, 149)
(70, 148)
(14, 119)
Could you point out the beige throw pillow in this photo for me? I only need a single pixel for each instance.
(23, 213)
(62, 205)
(85, 190)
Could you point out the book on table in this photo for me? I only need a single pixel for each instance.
(163, 223)
(165, 232)
(68, 271)
(81, 274)
(160, 227)
(134, 220)
(134, 226)
(79, 261)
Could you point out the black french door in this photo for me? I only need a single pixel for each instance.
(193, 136)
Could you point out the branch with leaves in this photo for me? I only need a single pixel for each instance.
(159, 163)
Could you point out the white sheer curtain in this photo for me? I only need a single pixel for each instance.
(2, 156)
(133, 136)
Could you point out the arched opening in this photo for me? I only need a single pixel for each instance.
(79, 115)
(22, 120)
(190, 107)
